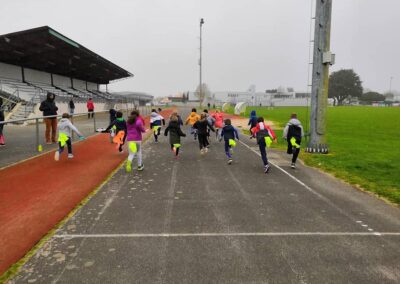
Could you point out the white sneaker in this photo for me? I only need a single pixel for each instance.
(202, 152)
(70, 156)
(206, 150)
(57, 156)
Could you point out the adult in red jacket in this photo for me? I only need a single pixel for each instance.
(262, 132)
(90, 107)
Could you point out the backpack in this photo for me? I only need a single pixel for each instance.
(261, 134)
(294, 131)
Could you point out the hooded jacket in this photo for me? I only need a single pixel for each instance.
(192, 118)
(202, 125)
(90, 105)
(229, 132)
(135, 130)
(65, 126)
(219, 119)
(156, 119)
(253, 119)
(48, 106)
(262, 130)
(293, 129)
(175, 132)
(119, 123)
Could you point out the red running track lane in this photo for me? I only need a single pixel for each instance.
(37, 194)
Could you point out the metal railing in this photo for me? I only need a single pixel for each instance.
(143, 110)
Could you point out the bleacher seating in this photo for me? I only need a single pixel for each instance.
(51, 89)
(21, 90)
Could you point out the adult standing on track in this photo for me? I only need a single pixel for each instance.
(71, 107)
(48, 107)
(90, 107)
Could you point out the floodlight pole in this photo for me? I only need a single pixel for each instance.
(322, 59)
(200, 65)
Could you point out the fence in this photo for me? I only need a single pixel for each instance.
(144, 110)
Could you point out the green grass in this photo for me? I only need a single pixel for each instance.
(363, 142)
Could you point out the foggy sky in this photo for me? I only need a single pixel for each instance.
(261, 42)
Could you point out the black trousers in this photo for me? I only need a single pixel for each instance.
(293, 150)
(90, 114)
(202, 140)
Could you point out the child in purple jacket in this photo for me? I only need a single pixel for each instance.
(135, 129)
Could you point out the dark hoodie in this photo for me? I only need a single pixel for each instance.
(253, 119)
(201, 126)
(48, 106)
(175, 132)
(229, 132)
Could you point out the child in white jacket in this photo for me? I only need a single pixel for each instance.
(65, 128)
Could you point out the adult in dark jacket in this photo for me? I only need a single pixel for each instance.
(202, 125)
(71, 107)
(175, 134)
(2, 141)
(48, 107)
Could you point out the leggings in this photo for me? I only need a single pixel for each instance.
(132, 155)
(202, 140)
(176, 149)
(227, 149)
(69, 146)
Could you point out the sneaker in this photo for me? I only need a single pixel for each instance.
(230, 161)
(202, 152)
(49, 143)
(293, 165)
(1, 145)
(176, 157)
(140, 168)
(266, 169)
(70, 156)
(57, 156)
(128, 166)
(206, 150)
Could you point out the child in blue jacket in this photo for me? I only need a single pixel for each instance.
(229, 133)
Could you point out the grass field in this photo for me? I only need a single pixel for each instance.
(364, 144)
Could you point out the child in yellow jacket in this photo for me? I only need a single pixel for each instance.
(191, 120)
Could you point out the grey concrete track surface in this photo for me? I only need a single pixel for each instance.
(199, 220)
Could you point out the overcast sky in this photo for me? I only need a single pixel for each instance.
(261, 42)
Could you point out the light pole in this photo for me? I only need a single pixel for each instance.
(200, 64)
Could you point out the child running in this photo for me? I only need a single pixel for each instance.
(175, 134)
(229, 133)
(201, 126)
(264, 135)
(293, 133)
(219, 122)
(155, 123)
(211, 121)
(191, 120)
(118, 130)
(65, 128)
(135, 129)
(252, 120)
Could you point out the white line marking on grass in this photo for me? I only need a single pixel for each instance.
(250, 234)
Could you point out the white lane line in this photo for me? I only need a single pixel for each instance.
(250, 234)
(320, 196)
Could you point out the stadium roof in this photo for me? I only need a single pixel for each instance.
(47, 50)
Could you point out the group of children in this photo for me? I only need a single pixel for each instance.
(130, 132)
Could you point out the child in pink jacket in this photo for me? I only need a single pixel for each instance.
(135, 129)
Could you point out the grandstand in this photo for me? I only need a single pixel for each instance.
(37, 61)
